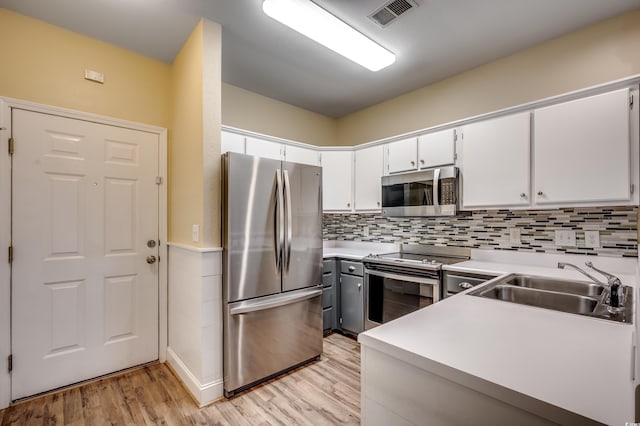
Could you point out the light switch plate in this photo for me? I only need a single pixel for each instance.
(565, 238)
(592, 239)
(514, 235)
(365, 231)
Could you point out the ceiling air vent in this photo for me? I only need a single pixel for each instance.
(391, 10)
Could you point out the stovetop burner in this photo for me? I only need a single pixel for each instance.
(419, 257)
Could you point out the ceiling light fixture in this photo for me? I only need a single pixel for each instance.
(319, 25)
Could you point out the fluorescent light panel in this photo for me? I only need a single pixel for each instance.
(319, 25)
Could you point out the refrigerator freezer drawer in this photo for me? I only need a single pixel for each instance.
(282, 332)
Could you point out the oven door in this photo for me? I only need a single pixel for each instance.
(390, 295)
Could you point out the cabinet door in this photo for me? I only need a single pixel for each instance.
(231, 142)
(436, 149)
(582, 150)
(265, 149)
(403, 155)
(337, 180)
(495, 162)
(352, 301)
(368, 164)
(297, 154)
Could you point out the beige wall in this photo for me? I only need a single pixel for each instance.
(187, 175)
(195, 141)
(45, 64)
(249, 111)
(603, 52)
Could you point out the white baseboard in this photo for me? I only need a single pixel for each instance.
(203, 394)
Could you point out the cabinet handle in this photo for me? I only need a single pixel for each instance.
(540, 193)
(465, 285)
(421, 161)
(378, 203)
(348, 204)
(523, 195)
(359, 285)
(413, 163)
(352, 268)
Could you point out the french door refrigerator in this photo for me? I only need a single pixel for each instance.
(272, 267)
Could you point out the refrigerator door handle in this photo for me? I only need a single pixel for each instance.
(271, 302)
(280, 219)
(287, 187)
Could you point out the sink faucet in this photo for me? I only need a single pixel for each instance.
(616, 291)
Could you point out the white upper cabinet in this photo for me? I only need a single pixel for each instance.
(231, 142)
(436, 149)
(494, 162)
(337, 183)
(297, 154)
(368, 172)
(582, 150)
(264, 148)
(402, 155)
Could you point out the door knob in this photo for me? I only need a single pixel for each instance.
(151, 259)
(151, 243)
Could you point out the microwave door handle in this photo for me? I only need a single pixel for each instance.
(436, 184)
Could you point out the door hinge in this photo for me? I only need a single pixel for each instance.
(158, 180)
(632, 188)
(10, 255)
(340, 321)
(11, 146)
(10, 363)
(631, 102)
(455, 135)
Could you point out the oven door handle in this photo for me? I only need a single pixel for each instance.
(422, 280)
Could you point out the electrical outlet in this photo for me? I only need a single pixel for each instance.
(195, 233)
(514, 235)
(565, 238)
(592, 239)
(365, 231)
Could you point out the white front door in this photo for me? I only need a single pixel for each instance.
(84, 207)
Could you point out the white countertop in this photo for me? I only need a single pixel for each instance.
(355, 250)
(581, 364)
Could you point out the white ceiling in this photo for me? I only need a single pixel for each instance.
(438, 39)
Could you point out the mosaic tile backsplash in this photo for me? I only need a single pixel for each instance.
(489, 229)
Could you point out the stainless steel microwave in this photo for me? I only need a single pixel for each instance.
(431, 192)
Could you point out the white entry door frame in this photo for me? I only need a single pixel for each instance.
(5, 224)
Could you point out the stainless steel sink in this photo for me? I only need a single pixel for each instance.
(575, 297)
(552, 284)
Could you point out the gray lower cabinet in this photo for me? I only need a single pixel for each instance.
(329, 296)
(351, 296)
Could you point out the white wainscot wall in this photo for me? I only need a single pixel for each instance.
(195, 320)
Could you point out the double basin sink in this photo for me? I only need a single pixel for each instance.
(575, 297)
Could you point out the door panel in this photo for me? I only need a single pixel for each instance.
(250, 214)
(85, 202)
(303, 263)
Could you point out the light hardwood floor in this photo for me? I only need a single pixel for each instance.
(325, 392)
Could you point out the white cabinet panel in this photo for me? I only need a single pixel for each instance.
(436, 149)
(298, 154)
(231, 142)
(403, 155)
(337, 180)
(264, 148)
(582, 150)
(368, 171)
(495, 162)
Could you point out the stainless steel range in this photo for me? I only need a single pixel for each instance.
(405, 281)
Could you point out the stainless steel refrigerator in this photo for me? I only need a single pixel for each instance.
(272, 267)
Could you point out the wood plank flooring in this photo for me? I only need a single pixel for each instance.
(325, 392)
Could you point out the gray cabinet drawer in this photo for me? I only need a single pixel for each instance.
(327, 265)
(327, 297)
(327, 280)
(327, 319)
(350, 267)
